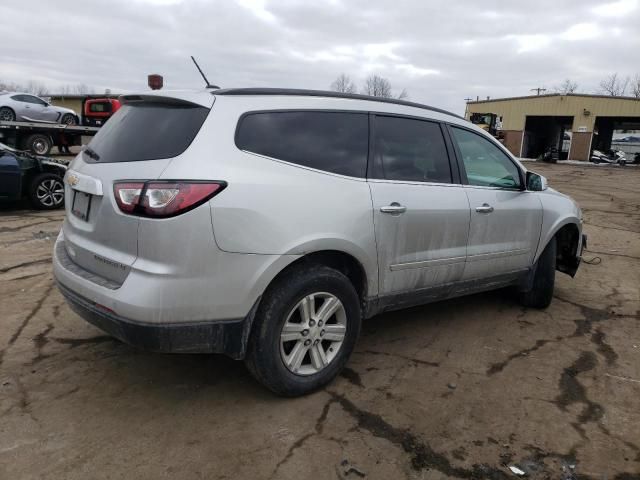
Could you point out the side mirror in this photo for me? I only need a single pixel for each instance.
(535, 182)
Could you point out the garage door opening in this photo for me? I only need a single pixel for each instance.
(547, 133)
(617, 133)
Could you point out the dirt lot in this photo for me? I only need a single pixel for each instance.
(459, 389)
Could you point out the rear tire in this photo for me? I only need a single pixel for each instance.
(544, 276)
(46, 191)
(68, 119)
(281, 315)
(7, 115)
(38, 144)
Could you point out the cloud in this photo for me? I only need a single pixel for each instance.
(616, 9)
(414, 71)
(257, 8)
(441, 55)
(581, 31)
(530, 43)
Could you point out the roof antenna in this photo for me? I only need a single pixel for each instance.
(208, 85)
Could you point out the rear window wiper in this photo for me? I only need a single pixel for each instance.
(91, 153)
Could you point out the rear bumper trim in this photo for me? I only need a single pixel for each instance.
(228, 337)
(67, 262)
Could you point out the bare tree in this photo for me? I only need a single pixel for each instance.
(36, 88)
(83, 89)
(403, 95)
(343, 84)
(568, 86)
(10, 86)
(65, 90)
(635, 86)
(377, 86)
(614, 86)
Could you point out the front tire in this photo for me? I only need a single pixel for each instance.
(544, 276)
(46, 192)
(305, 329)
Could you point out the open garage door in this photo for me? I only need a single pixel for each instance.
(617, 133)
(543, 133)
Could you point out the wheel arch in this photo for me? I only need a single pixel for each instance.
(341, 261)
(567, 232)
(344, 262)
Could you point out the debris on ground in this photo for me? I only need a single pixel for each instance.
(516, 471)
(349, 468)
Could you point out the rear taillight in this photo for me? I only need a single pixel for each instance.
(164, 198)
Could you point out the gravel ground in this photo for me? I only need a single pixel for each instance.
(459, 389)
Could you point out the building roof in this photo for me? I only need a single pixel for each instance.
(533, 97)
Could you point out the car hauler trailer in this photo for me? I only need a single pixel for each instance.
(39, 137)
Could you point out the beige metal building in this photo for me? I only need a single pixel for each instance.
(575, 124)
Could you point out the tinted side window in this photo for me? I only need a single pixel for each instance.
(34, 100)
(332, 141)
(409, 149)
(486, 165)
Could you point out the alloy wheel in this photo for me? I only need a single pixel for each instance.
(50, 192)
(6, 115)
(313, 333)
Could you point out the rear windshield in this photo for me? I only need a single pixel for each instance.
(146, 131)
(100, 107)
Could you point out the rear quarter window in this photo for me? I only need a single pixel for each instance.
(147, 131)
(335, 142)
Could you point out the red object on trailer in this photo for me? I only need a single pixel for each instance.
(98, 110)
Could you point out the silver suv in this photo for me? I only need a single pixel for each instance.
(265, 224)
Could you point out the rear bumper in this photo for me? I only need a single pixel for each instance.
(228, 337)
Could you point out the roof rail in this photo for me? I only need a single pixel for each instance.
(323, 93)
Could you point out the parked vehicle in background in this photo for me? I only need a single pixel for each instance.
(265, 224)
(610, 156)
(24, 107)
(628, 139)
(39, 137)
(98, 110)
(23, 174)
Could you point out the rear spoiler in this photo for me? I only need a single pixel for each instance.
(191, 100)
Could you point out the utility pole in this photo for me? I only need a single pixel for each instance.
(466, 108)
(538, 90)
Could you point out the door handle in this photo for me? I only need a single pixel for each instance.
(394, 208)
(485, 208)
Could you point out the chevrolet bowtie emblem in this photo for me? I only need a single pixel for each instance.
(72, 179)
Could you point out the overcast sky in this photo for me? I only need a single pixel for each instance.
(440, 51)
